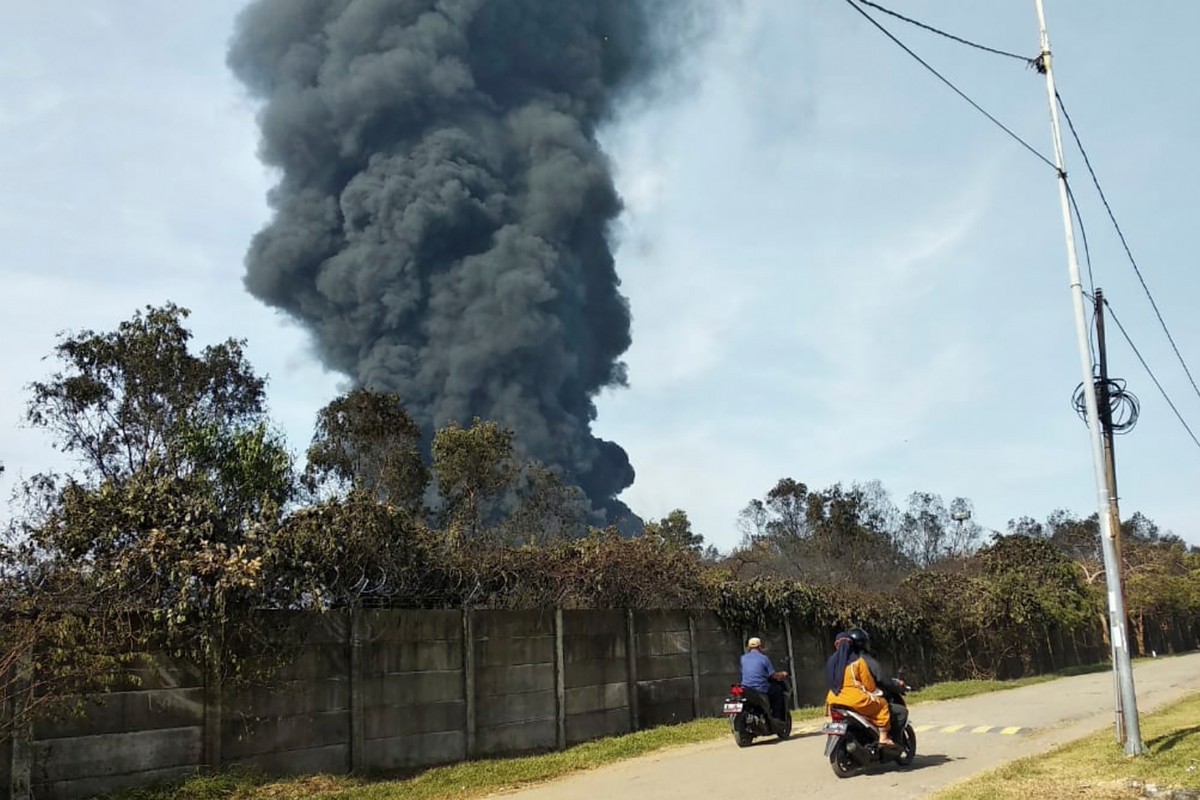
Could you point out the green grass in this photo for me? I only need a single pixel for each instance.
(474, 779)
(1096, 769)
(956, 690)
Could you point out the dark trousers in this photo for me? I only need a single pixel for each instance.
(775, 696)
(899, 720)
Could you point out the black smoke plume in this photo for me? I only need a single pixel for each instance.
(441, 220)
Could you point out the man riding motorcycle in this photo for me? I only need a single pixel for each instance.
(759, 674)
(854, 678)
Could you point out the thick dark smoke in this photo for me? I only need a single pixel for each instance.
(441, 220)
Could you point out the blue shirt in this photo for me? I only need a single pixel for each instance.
(757, 670)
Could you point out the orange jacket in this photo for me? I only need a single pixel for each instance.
(860, 694)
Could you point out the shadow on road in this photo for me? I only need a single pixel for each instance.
(792, 738)
(923, 760)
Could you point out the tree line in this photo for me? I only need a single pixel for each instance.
(186, 514)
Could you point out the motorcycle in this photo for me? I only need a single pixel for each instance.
(853, 742)
(749, 713)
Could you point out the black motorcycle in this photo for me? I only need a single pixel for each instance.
(853, 742)
(749, 713)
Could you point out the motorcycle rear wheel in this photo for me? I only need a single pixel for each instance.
(910, 747)
(786, 733)
(743, 738)
(843, 764)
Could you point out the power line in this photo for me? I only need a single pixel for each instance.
(1125, 244)
(1150, 372)
(1087, 255)
(853, 4)
(959, 39)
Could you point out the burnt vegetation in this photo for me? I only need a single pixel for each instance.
(187, 515)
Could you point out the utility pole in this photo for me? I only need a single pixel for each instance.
(1104, 402)
(1116, 602)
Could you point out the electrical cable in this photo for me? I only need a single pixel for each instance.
(959, 39)
(854, 4)
(1124, 243)
(1123, 405)
(1150, 372)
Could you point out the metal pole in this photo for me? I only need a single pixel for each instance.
(1104, 403)
(1110, 453)
(1116, 603)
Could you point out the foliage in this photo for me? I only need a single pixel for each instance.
(157, 542)
(474, 467)
(184, 522)
(827, 537)
(675, 530)
(544, 509)
(366, 441)
(124, 401)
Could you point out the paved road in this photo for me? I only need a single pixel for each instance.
(955, 740)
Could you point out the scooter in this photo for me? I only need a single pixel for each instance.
(750, 716)
(853, 742)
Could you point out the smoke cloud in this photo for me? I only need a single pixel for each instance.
(441, 221)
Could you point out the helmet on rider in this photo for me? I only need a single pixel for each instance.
(859, 638)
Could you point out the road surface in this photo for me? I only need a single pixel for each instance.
(955, 739)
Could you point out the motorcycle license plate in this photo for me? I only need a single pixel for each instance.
(733, 708)
(834, 728)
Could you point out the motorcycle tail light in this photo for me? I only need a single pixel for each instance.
(737, 691)
(836, 715)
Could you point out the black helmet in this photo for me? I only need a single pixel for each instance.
(859, 637)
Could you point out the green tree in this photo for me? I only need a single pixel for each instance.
(824, 536)
(124, 401)
(180, 490)
(365, 440)
(675, 530)
(925, 529)
(474, 467)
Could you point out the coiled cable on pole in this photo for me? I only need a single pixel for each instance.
(1123, 405)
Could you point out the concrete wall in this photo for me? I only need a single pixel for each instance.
(596, 685)
(150, 729)
(515, 691)
(294, 715)
(664, 668)
(413, 704)
(387, 690)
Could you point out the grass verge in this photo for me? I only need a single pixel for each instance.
(1095, 768)
(956, 690)
(479, 778)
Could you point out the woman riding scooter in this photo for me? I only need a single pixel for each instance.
(854, 678)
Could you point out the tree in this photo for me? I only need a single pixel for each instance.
(181, 488)
(823, 536)
(675, 530)
(474, 467)
(365, 440)
(1078, 539)
(924, 529)
(125, 401)
(788, 504)
(544, 508)
(1026, 526)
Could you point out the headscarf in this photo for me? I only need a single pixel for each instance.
(835, 668)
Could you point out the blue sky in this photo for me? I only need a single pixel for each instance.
(838, 271)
